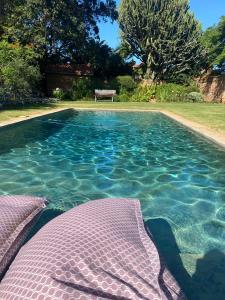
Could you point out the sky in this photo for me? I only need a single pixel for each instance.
(208, 12)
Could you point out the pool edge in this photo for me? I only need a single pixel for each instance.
(202, 130)
(27, 118)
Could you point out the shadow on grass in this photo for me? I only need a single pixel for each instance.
(208, 282)
(28, 106)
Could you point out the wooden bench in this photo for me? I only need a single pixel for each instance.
(104, 94)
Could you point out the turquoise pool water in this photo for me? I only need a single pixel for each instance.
(73, 157)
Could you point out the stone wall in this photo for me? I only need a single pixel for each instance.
(213, 87)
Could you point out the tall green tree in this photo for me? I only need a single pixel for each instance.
(19, 72)
(6, 6)
(105, 61)
(214, 40)
(164, 35)
(58, 28)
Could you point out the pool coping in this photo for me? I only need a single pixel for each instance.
(33, 116)
(202, 130)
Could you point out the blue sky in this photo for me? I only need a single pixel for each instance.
(208, 12)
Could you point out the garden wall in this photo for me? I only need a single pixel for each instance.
(62, 81)
(62, 76)
(213, 87)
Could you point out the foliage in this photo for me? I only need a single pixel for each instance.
(5, 7)
(139, 94)
(214, 40)
(164, 35)
(60, 29)
(63, 31)
(18, 71)
(167, 92)
(82, 88)
(171, 92)
(180, 79)
(123, 96)
(128, 90)
(195, 97)
(126, 83)
(58, 94)
(143, 94)
(106, 62)
(125, 50)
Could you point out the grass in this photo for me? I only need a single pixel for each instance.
(208, 114)
(24, 111)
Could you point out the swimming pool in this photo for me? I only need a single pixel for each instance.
(73, 157)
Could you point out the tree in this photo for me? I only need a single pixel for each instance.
(214, 40)
(18, 70)
(58, 28)
(164, 35)
(105, 61)
(5, 7)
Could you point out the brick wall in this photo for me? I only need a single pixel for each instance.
(62, 76)
(213, 87)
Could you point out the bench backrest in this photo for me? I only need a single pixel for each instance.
(105, 93)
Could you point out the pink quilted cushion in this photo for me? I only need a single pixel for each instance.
(98, 250)
(16, 216)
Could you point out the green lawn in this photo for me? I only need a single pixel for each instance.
(210, 115)
(26, 111)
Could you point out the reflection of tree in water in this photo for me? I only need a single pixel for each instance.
(208, 282)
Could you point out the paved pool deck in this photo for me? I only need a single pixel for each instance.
(212, 135)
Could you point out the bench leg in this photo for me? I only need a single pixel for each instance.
(112, 99)
(95, 99)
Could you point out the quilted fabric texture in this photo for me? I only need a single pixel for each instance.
(16, 218)
(98, 250)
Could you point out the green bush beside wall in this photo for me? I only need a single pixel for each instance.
(128, 90)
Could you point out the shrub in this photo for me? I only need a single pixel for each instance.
(112, 84)
(143, 94)
(126, 83)
(128, 90)
(19, 73)
(82, 87)
(172, 92)
(195, 97)
(192, 87)
(123, 97)
(167, 92)
(58, 93)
